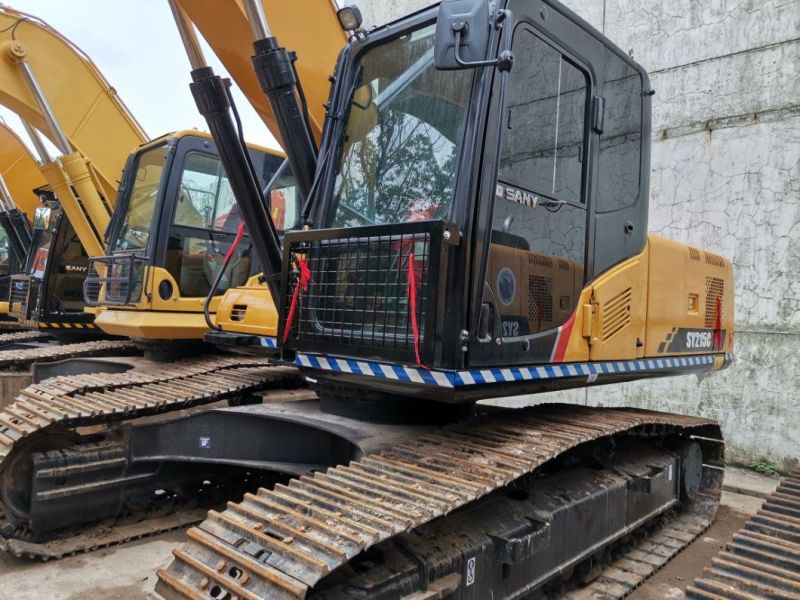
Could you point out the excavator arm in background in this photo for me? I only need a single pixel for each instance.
(313, 32)
(19, 177)
(55, 88)
(20, 172)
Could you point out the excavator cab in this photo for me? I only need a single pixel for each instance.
(48, 292)
(175, 223)
(481, 210)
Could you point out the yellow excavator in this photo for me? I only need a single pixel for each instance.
(476, 228)
(54, 88)
(19, 179)
(52, 85)
(245, 306)
(174, 239)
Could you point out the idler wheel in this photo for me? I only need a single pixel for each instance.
(16, 478)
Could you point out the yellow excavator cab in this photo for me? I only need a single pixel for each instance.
(176, 221)
(318, 38)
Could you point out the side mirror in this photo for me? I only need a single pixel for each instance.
(462, 35)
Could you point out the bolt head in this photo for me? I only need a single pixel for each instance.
(17, 49)
(498, 341)
(446, 234)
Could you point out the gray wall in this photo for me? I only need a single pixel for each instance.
(725, 177)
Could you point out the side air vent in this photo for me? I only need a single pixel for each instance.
(616, 314)
(540, 261)
(540, 299)
(715, 289)
(238, 311)
(694, 254)
(715, 260)
(563, 264)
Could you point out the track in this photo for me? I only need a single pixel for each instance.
(306, 530)
(19, 337)
(763, 559)
(104, 535)
(15, 360)
(634, 564)
(97, 400)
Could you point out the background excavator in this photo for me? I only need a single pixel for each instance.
(245, 299)
(51, 84)
(477, 227)
(54, 88)
(19, 179)
(173, 227)
(245, 306)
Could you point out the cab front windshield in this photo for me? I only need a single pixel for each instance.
(134, 231)
(403, 136)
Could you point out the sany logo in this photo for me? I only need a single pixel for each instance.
(516, 195)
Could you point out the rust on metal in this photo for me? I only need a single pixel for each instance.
(88, 400)
(319, 522)
(20, 337)
(763, 559)
(16, 359)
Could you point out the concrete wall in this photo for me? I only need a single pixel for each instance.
(725, 177)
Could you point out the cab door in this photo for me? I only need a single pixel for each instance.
(538, 227)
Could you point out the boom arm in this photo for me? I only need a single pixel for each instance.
(310, 28)
(19, 176)
(19, 171)
(53, 86)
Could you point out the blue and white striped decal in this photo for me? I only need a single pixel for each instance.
(267, 342)
(591, 371)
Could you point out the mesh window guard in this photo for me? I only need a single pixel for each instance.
(358, 298)
(114, 280)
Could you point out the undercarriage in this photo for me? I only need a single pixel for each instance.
(75, 450)
(507, 502)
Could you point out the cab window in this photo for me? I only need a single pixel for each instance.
(621, 141)
(204, 226)
(536, 257)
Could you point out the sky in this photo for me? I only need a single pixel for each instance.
(136, 46)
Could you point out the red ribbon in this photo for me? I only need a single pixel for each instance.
(235, 244)
(717, 340)
(304, 279)
(412, 304)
